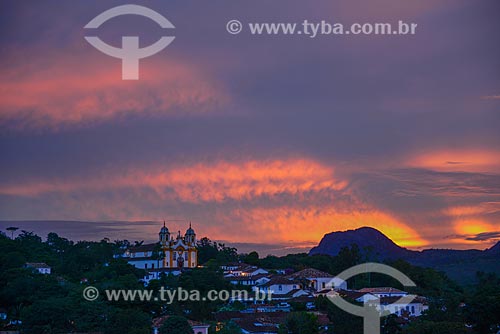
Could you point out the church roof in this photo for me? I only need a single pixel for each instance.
(190, 231)
(144, 248)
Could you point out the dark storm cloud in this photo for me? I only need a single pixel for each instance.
(485, 236)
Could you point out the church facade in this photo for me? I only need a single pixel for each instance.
(169, 254)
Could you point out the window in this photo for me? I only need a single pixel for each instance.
(152, 265)
(280, 287)
(323, 285)
(145, 266)
(413, 309)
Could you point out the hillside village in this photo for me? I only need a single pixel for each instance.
(41, 280)
(281, 288)
(301, 289)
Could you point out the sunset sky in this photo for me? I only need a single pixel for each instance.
(271, 140)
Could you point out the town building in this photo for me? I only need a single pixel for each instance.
(318, 280)
(385, 292)
(169, 254)
(41, 267)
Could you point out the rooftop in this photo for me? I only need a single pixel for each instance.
(382, 290)
(37, 265)
(310, 273)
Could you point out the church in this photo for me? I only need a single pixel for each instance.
(169, 254)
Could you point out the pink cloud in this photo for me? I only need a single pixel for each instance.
(77, 89)
(216, 181)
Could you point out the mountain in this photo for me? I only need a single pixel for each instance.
(460, 265)
(368, 239)
(495, 249)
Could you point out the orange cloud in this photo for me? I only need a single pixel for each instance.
(458, 160)
(473, 226)
(59, 91)
(289, 224)
(468, 229)
(467, 211)
(202, 182)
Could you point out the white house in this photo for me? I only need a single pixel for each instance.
(249, 280)
(413, 309)
(242, 269)
(384, 292)
(3, 314)
(42, 268)
(280, 286)
(318, 280)
(360, 297)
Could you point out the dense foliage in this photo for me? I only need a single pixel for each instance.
(53, 304)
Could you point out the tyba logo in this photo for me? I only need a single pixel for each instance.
(130, 53)
(370, 311)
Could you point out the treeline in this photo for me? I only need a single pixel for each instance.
(54, 304)
(37, 303)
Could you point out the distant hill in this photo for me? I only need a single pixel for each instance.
(460, 265)
(495, 249)
(368, 239)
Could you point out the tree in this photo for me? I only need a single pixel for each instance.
(47, 317)
(176, 325)
(12, 229)
(252, 258)
(230, 328)
(300, 323)
(343, 322)
(483, 307)
(209, 250)
(130, 321)
(429, 327)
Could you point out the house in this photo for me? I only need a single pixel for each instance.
(258, 279)
(279, 285)
(263, 322)
(242, 269)
(386, 299)
(358, 296)
(245, 274)
(318, 280)
(3, 314)
(414, 309)
(198, 327)
(41, 267)
(385, 292)
(267, 308)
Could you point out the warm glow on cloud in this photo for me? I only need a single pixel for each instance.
(203, 182)
(458, 160)
(473, 226)
(480, 209)
(316, 201)
(286, 224)
(78, 90)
